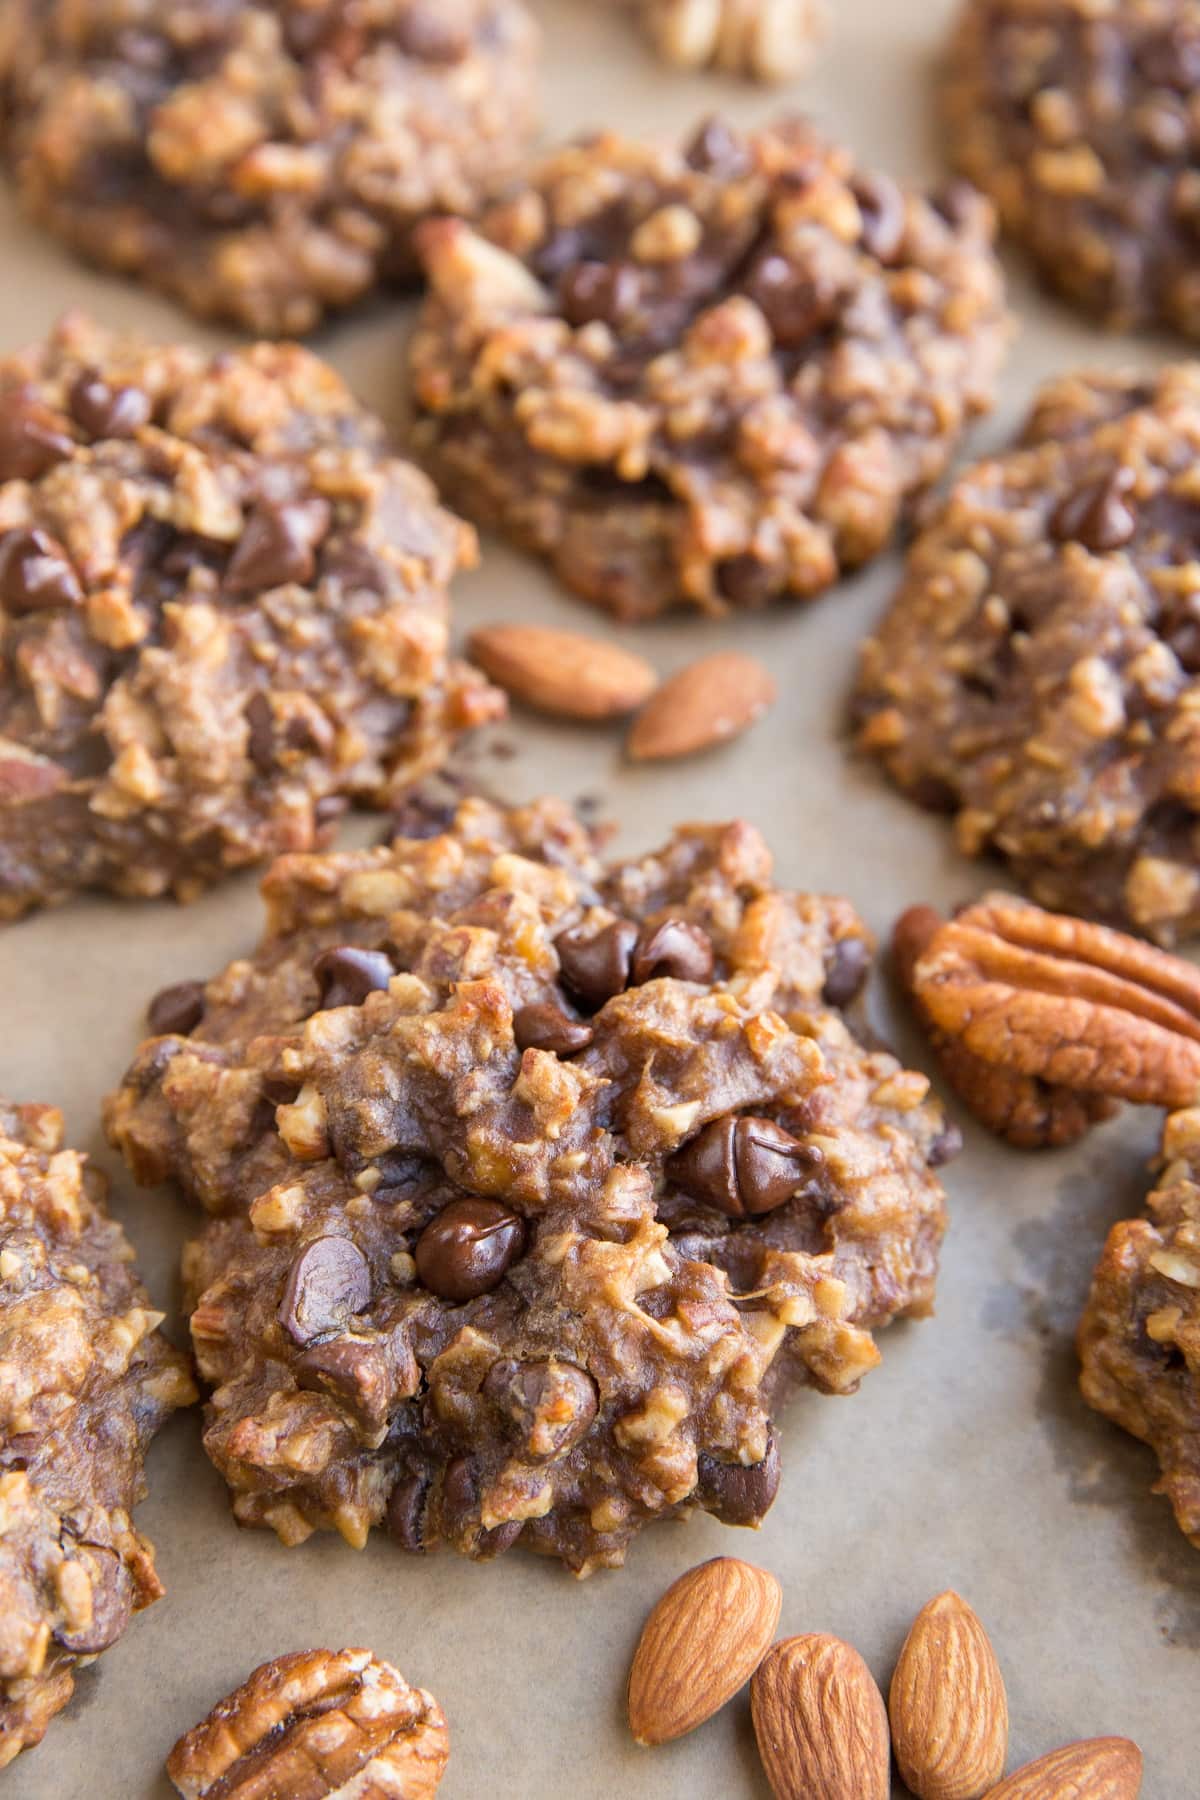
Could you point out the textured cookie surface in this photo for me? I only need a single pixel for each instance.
(1036, 675)
(263, 162)
(711, 376)
(223, 614)
(535, 1182)
(1080, 121)
(1139, 1340)
(86, 1380)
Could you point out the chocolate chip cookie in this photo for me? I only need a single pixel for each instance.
(711, 376)
(1038, 673)
(535, 1182)
(223, 614)
(1080, 121)
(86, 1380)
(263, 162)
(1139, 1339)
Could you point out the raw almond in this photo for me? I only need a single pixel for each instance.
(820, 1722)
(703, 1640)
(947, 1704)
(1108, 1768)
(701, 705)
(563, 672)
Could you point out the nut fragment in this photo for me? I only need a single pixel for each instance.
(703, 1640)
(709, 701)
(320, 1723)
(770, 40)
(820, 1722)
(1096, 1769)
(563, 672)
(947, 1705)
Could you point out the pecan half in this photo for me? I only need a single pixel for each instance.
(1030, 1113)
(320, 1723)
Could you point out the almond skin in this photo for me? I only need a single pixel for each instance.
(563, 672)
(1108, 1768)
(820, 1722)
(703, 1640)
(699, 706)
(947, 1704)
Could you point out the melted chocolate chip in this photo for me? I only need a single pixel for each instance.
(278, 544)
(355, 1372)
(881, 204)
(36, 573)
(676, 950)
(595, 964)
(107, 412)
(738, 1493)
(743, 1166)
(1098, 516)
(260, 733)
(846, 971)
(945, 1147)
(460, 1508)
(345, 975)
(607, 292)
(468, 1248)
(715, 147)
(794, 305)
(405, 1516)
(420, 33)
(176, 1010)
(329, 1281)
(550, 1405)
(31, 438)
(543, 1026)
(112, 1601)
(746, 581)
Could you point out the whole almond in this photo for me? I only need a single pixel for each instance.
(820, 1722)
(563, 672)
(699, 706)
(703, 1640)
(947, 1704)
(1108, 1768)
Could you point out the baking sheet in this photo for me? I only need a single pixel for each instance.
(968, 1459)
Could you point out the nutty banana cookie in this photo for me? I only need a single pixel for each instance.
(223, 614)
(535, 1182)
(316, 1725)
(1079, 119)
(86, 1380)
(263, 162)
(711, 376)
(768, 40)
(1038, 673)
(1139, 1339)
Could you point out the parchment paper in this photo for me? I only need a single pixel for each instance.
(968, 1459)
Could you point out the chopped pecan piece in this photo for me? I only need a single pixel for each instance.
(320, 1723)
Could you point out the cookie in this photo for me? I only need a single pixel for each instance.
(1079, 121)
(1038, 672)
(263, 162)
(87, 1382)
(535, 1183)
(712, 376)
(223, 614)
(767, 40)
(1139, 1339)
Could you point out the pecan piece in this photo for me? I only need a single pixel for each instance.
(319, 1723)
(1030, 1113)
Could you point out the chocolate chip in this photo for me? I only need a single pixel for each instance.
(742, 1165)
(595, 964)
(746, 581)
(846, 971)
(35, 573)
(957, 202)
(794, 304)
(329, 809)
(468, 1248)
(112, 1601)
(329, 1281)
(460, 1507)
(1171, 58)
(716, 147)
(543, 1026)
(260, 733)
(422, 34)
(107, 412)
(881, 204)
(738, 1493)
(945, 1147)
(1098, 516)
(356, 1374)
(31, 438)
(277, 545)
(607, 292)
(345, 975)
(561, 250)
(176, 1010)
(405, 1516)
(676, 950)
(550, 1404)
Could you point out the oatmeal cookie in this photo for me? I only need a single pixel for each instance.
(1080, 121)
(223, 614)
(768, 40)
(263, 162)
(534, 1183)
(86, 1380)
(711, 376)
(1139, 1339)
(1038, 673)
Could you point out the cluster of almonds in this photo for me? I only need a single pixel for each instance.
(820, 1720)
(572, 676)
